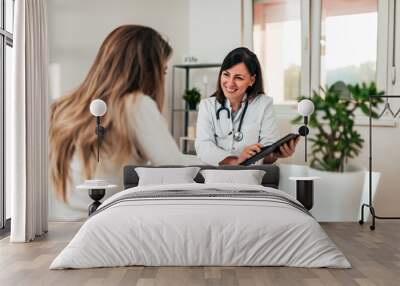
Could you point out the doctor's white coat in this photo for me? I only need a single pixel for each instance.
(214, 138)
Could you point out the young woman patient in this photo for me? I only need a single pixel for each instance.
(128, 74)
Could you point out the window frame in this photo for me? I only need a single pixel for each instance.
(307, 42)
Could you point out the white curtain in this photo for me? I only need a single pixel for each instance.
(26, 142)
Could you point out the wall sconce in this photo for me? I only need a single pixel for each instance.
(305, 108)
(98, 108)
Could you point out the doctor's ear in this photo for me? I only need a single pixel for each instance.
(252, 80)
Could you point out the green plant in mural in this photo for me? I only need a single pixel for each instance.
(335, 138)
(192, 97)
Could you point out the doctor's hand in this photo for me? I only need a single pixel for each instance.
(288, 149)
(248, 152)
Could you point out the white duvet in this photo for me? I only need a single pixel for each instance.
(200, 231)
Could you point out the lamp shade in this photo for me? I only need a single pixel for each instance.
(98, 107)
(305, 107)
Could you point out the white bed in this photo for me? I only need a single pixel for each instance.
(249, 225)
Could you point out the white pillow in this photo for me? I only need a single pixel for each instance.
(165, 176)
(248, 177)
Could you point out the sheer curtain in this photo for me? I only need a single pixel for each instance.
(27, 123)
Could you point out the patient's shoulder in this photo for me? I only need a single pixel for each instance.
(146, 102)
(142, 111)
(139, 104)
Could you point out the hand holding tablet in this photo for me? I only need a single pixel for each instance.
(273, 148)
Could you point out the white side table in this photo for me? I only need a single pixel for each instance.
(305, 190)
(97, 190)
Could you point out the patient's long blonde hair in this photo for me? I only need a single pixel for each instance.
(131, 59)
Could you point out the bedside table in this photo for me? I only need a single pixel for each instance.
(305, 190)
(97, 190)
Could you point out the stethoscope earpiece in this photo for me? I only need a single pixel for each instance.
(223, 107)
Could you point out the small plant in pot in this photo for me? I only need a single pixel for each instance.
(335, 138)
(192, 97)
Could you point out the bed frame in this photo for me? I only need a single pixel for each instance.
(270, 179)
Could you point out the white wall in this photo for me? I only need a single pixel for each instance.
(214, 28)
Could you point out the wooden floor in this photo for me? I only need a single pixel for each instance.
(375, 257)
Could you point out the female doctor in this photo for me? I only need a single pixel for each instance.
(238, 119)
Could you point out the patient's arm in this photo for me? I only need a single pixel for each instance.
(151, 132)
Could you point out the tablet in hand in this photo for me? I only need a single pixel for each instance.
(266, 150)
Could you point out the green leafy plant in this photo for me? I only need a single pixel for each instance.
(192, 97)
(335, 139)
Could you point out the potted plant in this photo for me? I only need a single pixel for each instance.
(334, 140)
(192, 97)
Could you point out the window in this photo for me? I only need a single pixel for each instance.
(306, 44)
(349, 32)
(6, 43)
(277, 43)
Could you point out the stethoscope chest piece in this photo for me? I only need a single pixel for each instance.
(238, 136)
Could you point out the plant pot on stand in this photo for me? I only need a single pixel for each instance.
(192, 105)
(192, 98)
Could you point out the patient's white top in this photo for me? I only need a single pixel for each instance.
(155, 142)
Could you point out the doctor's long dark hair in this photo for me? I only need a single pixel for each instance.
(250, 60)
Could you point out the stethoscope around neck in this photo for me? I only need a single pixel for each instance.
(238, 135)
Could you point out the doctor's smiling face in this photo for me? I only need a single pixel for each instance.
(240, 74)
(235, 81)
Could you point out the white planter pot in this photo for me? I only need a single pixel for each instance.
(337, 196)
